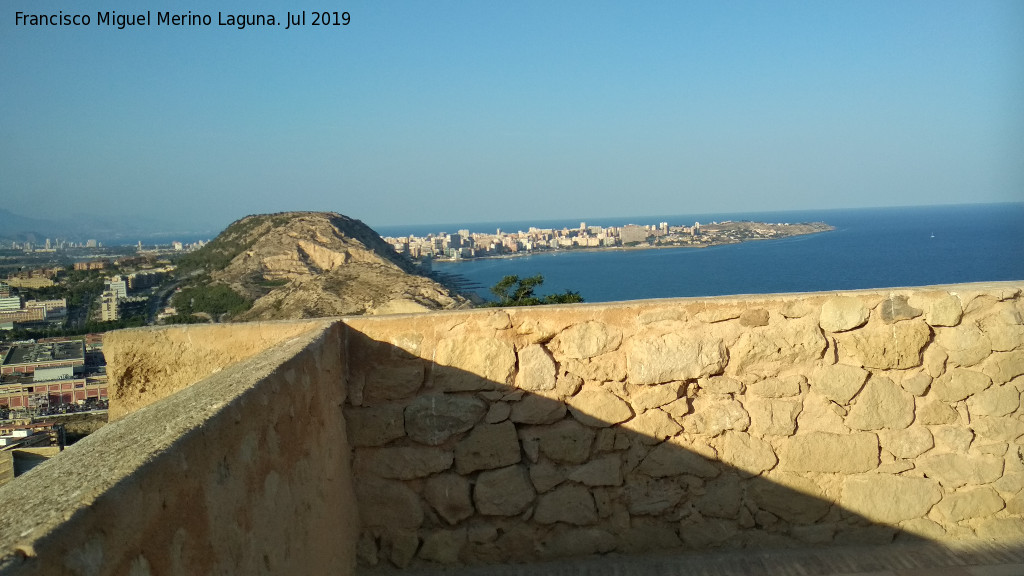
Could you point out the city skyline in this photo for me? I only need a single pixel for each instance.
(454, 112)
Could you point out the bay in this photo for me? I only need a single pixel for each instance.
(870, 248)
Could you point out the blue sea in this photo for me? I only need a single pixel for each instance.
(869, 248)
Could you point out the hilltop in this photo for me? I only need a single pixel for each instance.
(313, 264)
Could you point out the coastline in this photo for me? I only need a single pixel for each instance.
(620, 248)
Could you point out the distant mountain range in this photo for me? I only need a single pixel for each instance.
(109, 230)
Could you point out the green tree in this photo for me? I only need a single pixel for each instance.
(515, 291)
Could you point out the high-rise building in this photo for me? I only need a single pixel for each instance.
(633, 233)
(108, 306)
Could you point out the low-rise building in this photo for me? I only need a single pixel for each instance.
(27, 358)
(47, 374)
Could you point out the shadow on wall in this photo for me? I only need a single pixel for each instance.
(531, 463)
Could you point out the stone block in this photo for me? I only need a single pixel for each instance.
(839, 382)
(610, 367)
(568, 503)
(917, 383)
(712, 416)
(647, 496)
(400, 546)
(568, 385)
(388, 504)
(967, 504)
(820, 415)
(923, 528)
(842, 313)
(653, 426)
(599, 408)
(601, 471)
(678, 409)
(798, 308)
(503, 492)
(745, 452)
(959, 383)
(566, 441)
(956, 470)
(498, 412)
(773, 417)
(394, 376)
(895, 308)
(433, 418)
(374, 425)
(952, 438)
(881, 404)
(656, 396)
(1003, 367)
(966, 344)
(722, 497)
(908, 443)
(536, 409)
(791, 497)
(781, 387)
(934, 360)
(754, 317)
(716, 314)
(669, 459)
(831, 453)
(587, 340)
(767, 352)
(720, 385)
(536, 369)
(487, 446)
(675, 356)
(1001, 529)
(944, 311)
(995, 401)
(998, 428)
(443, 546)
(402, 462)
(1004, 327)
(471, 362)
(931, 411)
(887, 347)
(889, 499)
(545, 475)
(448, 495)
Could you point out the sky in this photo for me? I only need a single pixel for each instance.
(422, 112)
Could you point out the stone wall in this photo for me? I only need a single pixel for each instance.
(148, 364)
(525, 434)
(244, 472)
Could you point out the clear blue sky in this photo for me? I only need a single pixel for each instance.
(439, 112)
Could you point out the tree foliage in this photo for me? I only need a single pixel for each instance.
(214, 299)
(515, 291)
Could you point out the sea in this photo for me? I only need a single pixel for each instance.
(869, 248)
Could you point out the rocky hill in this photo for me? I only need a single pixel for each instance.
(313, 264)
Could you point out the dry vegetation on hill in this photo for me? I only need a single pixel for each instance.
(313, 264)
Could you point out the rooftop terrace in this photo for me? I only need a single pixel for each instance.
(49, 352)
